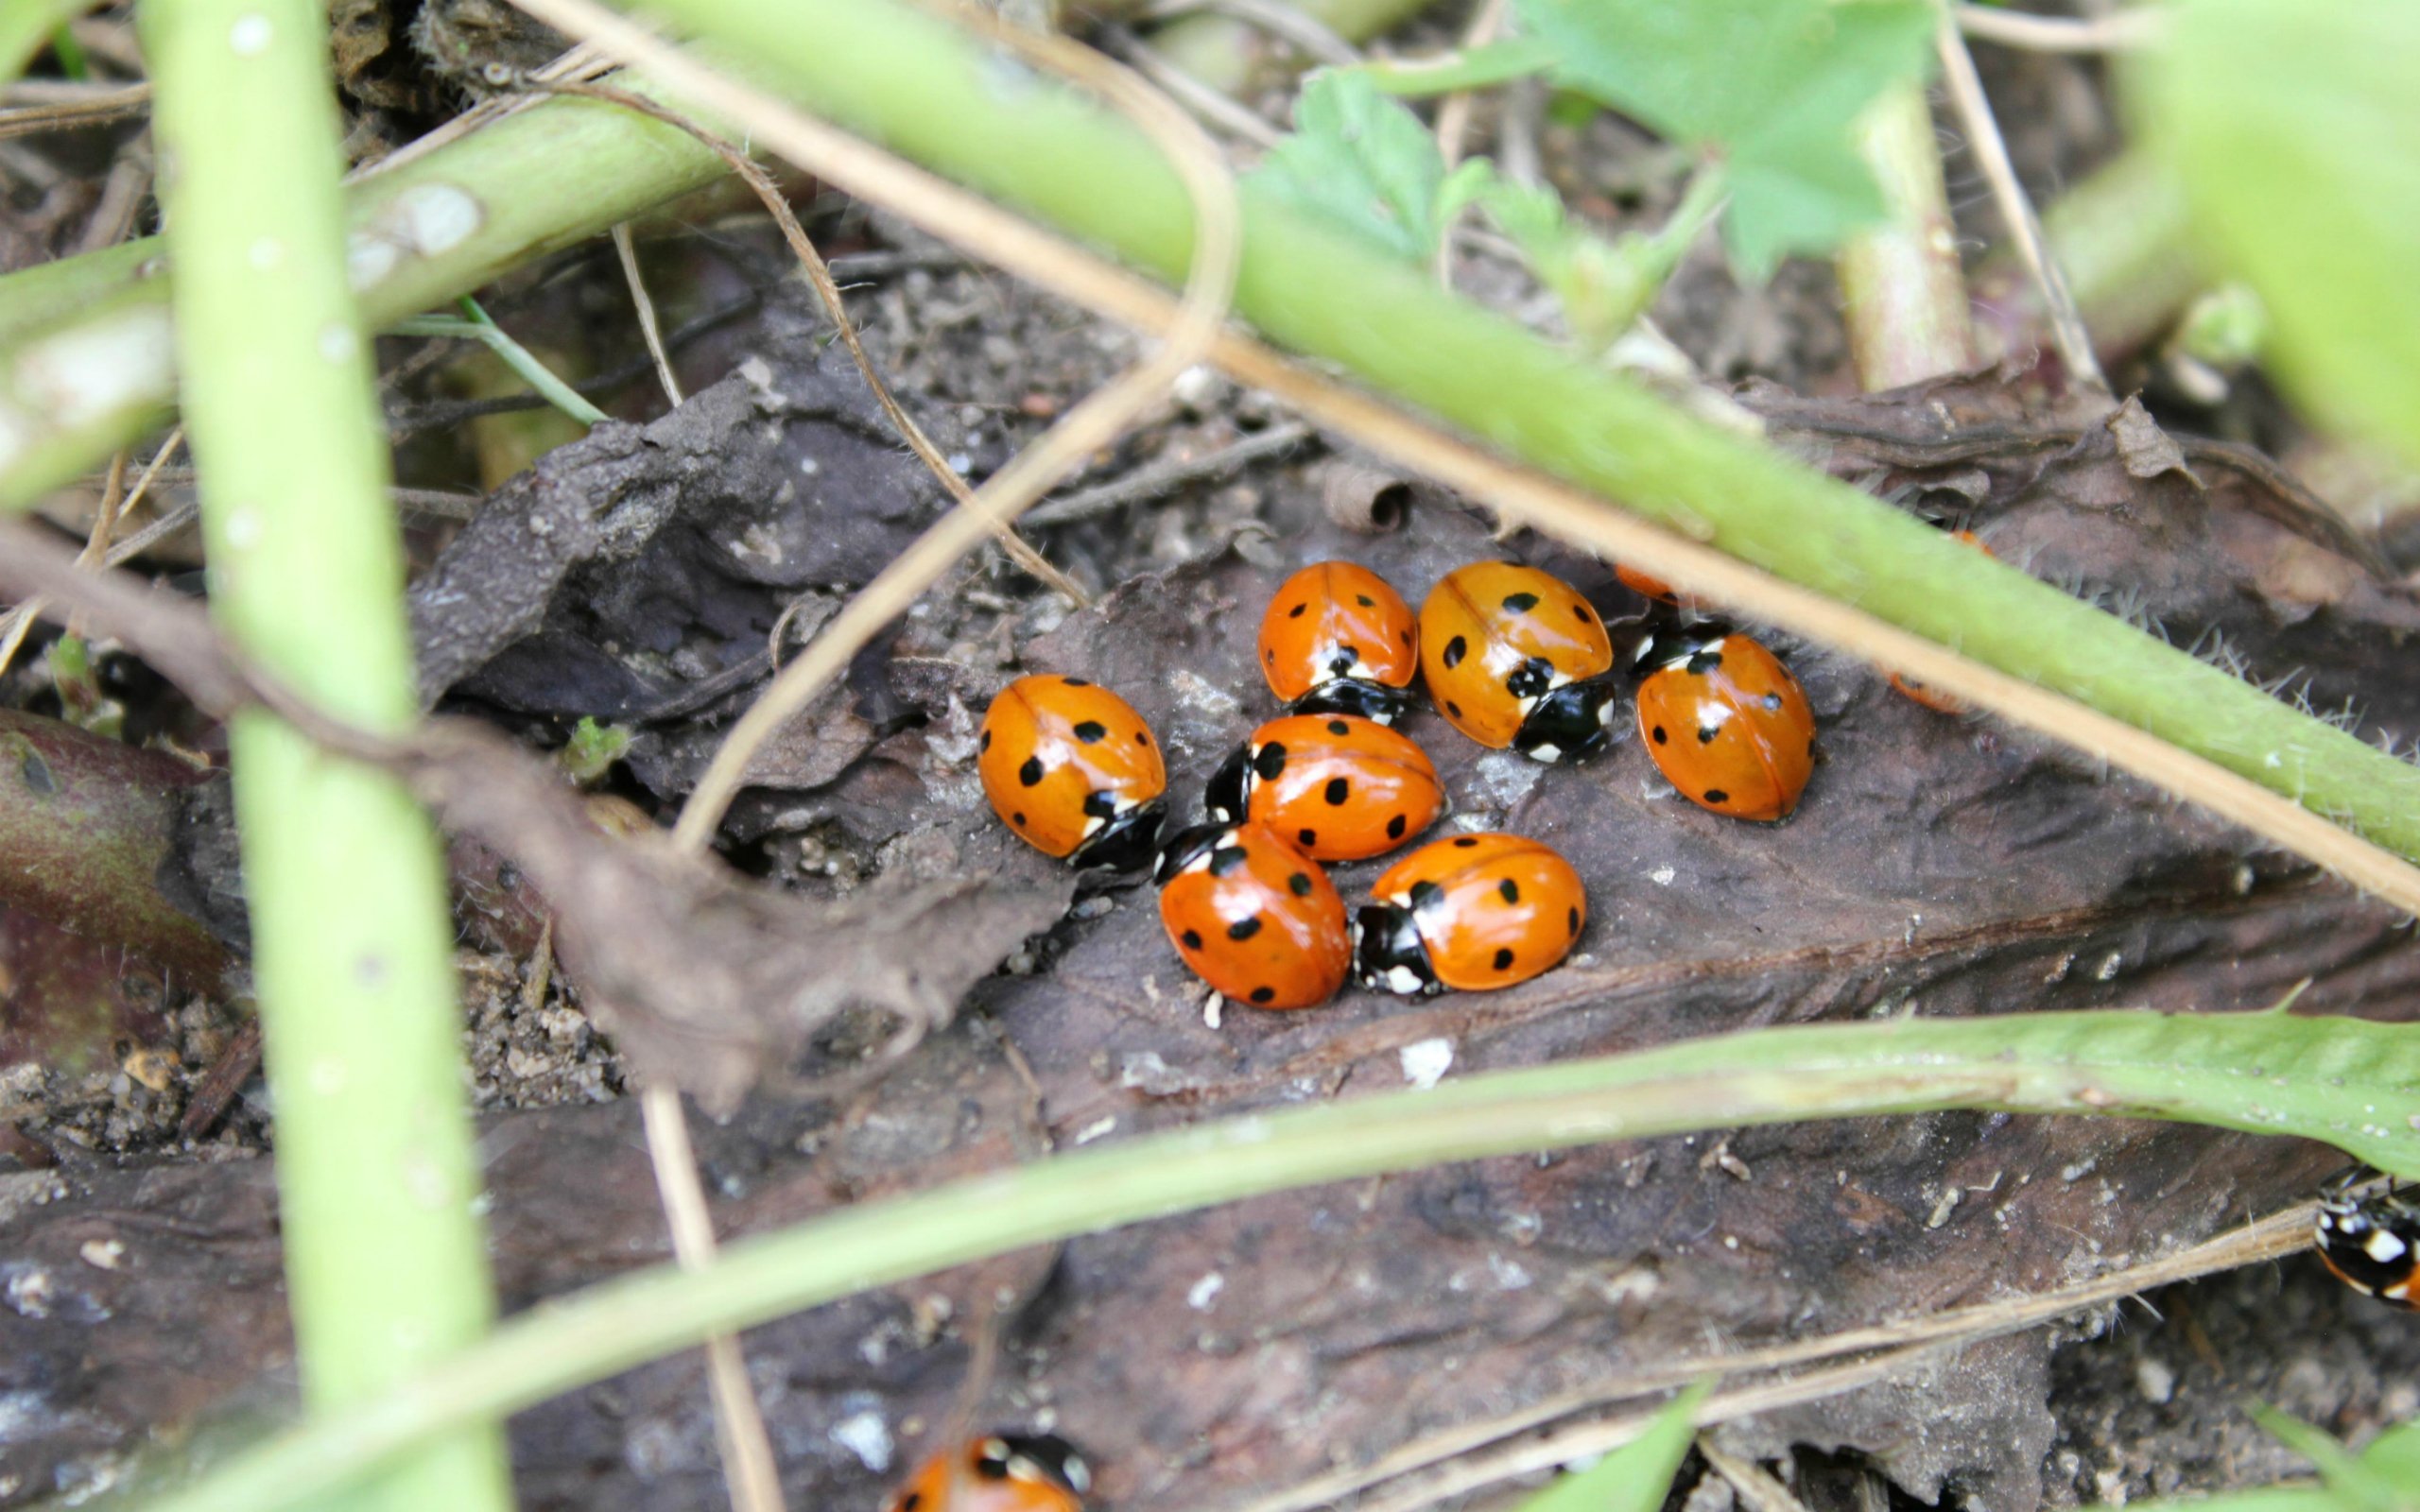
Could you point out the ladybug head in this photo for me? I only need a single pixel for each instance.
(1674, 641)
(1228, 795)
(1373, 701)
(1126, 841)
(1388, 954)
(1186, 847)
(1043, 1457)
(1569, 724)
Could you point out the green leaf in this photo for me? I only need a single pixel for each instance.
(2395, 1455)
(1770, 86)
(1363, 162)
(1635, 1477)
(2295, 129)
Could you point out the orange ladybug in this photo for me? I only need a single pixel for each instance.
(1474, 912)
(1341, 787)
(1073, 769)
(1337, 638)
(1253, 916)
(1725, 721)
(1002, 1472)
(1515, 656)
(1639, 583)
(1940, 703)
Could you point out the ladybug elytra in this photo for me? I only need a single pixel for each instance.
(1514, 657)
(1253, 916)
(1337, 638)
(999, 1473)
(1343, 788)
(1072, 768)
(1725, 722)
(1472, 911)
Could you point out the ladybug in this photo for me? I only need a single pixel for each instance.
(1515, 656)
(1253, 916)
(1001, 1473)
(1940, 703)
(1343, 788)
(1073, 769)
(1645, 586)
(1725, 721)
(2373, 1243)
(1474, 912)
(1337, 638)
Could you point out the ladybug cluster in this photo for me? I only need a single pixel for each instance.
(1511, 656)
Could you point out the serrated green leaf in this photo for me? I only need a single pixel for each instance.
(2294, 126)
(1361, 159)
(1635, 1477)
(1770, 86)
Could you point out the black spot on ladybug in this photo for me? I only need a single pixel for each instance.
(1338, 791)
(912, 1502)
(1017, 819)
(1520, 602)
(1579, 612)
(1269, 655)
(1092, 731)
(1338, 726)
(1394, 828)
(985, 744)
(1424, 893)
(1659, 735)
(1465, 842)
(1705, 662)
(1100, 805)
(1262, 994)
(1365, 601)
(1299, 884)
(1244, 928)
(1226, 858)
(1030, 772)
(1773, 700)
(1296, 612)
(1508, 891)
(1142, 737)
(1407, 637)
(1573, 918)
(1811, 744)
(1192, 939)
(1503, 959)
(1453, 709)
(1715, 794)
(1268, 761)
(1454, 650)
(1707, 733)
(1074, 682)
(1530, 680)
(1308, 837)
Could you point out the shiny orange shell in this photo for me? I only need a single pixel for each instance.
(1489, 625)
(1059, 757)
(1334, 619)
(994, 1474)
(1492, 909)
(1729, 727)
(1343, 788)
(1940, 703)
(1257, 920)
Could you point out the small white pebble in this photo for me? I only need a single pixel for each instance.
(1205, 1292)
(1426, 1063)
(2154, 1379)
(102, 1254)
(1662, 876)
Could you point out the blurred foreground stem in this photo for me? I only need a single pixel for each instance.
(385, 1262)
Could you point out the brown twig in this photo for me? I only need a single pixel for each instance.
(648, 331)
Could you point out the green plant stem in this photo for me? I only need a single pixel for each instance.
(28, 25)
(85, 362)
(876, 66)
(476, 325)
(2354, 1083)
(1903, 292)
(385, 1261)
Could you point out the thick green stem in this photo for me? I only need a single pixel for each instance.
(1901, 286)
(385, 1261)
(881, 68)
(85, 362)
(2354, 1083)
